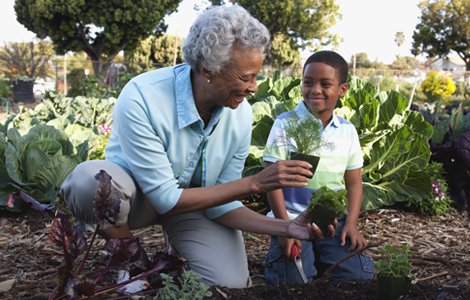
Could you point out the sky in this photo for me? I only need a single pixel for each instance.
(367, 26)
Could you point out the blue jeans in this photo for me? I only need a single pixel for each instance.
(329, 251)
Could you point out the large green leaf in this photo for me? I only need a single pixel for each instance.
(368, 140)
(416, 122)
(35, 159)
(395, 104)
(418, 185)
(52, 174)
(14, 158)
(267, 110)
(375, 196)
(4, 177)
(49, 132)
(389, 148)
(417, 157)
(259, 135)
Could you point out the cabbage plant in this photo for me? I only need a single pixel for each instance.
(38, 162)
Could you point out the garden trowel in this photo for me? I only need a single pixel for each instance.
(295, 257)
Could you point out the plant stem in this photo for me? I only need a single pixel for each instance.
(328, 272)
(87, 251)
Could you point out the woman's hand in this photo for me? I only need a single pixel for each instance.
(283, 173)
(300, 228)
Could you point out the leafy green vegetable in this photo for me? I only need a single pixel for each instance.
(394, 262)
(38, 162)
(336, 200)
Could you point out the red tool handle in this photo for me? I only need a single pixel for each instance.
(294, 251)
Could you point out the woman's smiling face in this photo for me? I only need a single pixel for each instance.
(321, 89)
(230, 87)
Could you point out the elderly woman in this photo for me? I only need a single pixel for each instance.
(178, 146)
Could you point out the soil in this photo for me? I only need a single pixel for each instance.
(441, 264)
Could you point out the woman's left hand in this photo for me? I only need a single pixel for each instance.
(300, 228)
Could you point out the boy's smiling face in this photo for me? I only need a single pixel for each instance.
(321, 89)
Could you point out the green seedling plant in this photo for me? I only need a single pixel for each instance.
(335, 200)
(126, 253)
(303, 135)
(394, 262)
(326, 205)
(189, 288)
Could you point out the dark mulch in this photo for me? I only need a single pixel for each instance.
(441, 264)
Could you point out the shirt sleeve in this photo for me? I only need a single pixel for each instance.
(355, 158)
(144, 151)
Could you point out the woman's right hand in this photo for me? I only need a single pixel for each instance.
(283, 173)
(286, 244)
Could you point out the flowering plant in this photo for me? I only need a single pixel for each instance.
(438, 202)
(100, 142)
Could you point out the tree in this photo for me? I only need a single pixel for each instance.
(302, 20)
(27, 59)
(362, 61)
(283, 53)
(100, 28)
(154, 51)
(444, 27)
(399, 38)
(404, 63)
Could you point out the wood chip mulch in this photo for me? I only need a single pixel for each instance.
(442, 245)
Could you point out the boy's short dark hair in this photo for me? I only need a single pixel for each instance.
(332, 59)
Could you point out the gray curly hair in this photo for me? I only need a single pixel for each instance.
(214, 33)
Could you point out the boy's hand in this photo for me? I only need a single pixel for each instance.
(357, 240)
(286, 244)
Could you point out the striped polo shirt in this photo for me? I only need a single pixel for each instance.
(346, 154)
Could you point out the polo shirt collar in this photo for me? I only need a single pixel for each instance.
(185, 105)
(302, 111)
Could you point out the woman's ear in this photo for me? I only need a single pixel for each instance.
(205, 73)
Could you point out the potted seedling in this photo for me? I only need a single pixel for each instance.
(326, 205)
(394, 272)
(302, 135)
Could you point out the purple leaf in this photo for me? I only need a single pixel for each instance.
(166, 262)
(124, 250)
(21, 201)
(77, 288)
(106, 202)
(63, 273)
(66, 235)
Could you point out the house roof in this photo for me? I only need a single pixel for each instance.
(455, 60)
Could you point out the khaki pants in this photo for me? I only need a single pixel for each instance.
(214, 252)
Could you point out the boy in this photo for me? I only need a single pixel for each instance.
(324, 82)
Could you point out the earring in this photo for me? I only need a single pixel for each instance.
(208, 81)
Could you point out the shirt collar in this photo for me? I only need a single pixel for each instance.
(185, 106)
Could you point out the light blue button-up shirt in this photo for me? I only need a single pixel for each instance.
(159, 138)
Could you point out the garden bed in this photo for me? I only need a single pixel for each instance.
(441, 264)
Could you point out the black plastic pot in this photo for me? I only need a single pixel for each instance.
(311, 159)
(23, 91)
(323, 217)
(391, 288)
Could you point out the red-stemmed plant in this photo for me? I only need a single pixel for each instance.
(126, 252)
